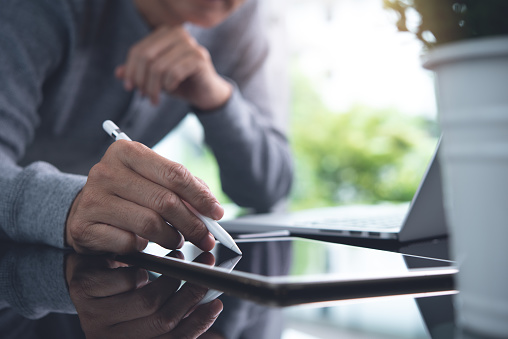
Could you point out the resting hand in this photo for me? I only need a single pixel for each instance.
(170, 59)
(130, 197)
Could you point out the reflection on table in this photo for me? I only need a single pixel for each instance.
(48, 293)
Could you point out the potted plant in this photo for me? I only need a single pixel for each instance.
(466, 45)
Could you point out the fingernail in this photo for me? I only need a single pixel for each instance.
(141, 243)
(218, 307)
(141, 278)
(182, 241)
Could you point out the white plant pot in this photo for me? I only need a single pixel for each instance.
(472, 96)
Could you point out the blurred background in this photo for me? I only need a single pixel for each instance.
(362, 129)
(362, 110)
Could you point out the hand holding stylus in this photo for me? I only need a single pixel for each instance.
(130, 197)
(112, 129)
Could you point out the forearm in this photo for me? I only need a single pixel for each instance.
(253, 155)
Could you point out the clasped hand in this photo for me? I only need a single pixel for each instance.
(170, 59)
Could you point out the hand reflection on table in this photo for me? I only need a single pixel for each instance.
(117, 301)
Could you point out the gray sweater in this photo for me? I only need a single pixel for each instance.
(57, 61)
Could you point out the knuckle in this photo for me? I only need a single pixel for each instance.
(163, 324)
(177, 174)
(195, 229)
(149, 55)
(190, 40)
(95, 171)
(164, 201)
(202, 182)
(149, 302)
(100, 171)
(81, 234)
(148, 222)
(202, 51)
(204, 196)
(157, 68)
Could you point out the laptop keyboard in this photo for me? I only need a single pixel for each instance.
(379, 222)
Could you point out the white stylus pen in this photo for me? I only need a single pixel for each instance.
(218, 232)
(114, 131)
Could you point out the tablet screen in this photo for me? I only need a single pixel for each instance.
(304, 258)
(287, 271)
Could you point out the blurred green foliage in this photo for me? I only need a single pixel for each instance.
(364, 155)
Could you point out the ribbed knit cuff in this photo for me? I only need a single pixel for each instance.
(32, 281)
(42, 198)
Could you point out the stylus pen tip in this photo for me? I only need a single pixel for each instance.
(236, 249)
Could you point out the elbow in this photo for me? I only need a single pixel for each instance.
(261, 194)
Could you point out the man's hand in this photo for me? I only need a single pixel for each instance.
(130, 197)
(170, 59)
(115, 301)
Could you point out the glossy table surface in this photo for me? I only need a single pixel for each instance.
(50, 293)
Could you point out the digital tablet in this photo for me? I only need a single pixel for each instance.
(285, 271)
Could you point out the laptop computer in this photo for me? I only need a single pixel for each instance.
(422, 218)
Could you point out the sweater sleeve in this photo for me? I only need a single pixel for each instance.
(32, 281)
(35, 199)
(248, 134)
